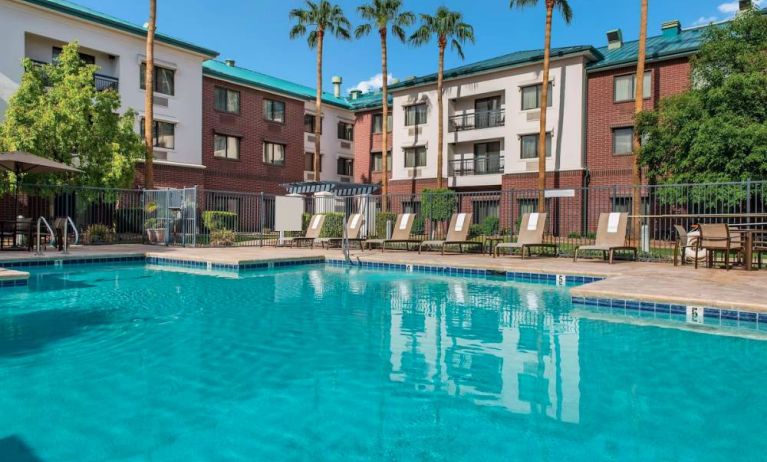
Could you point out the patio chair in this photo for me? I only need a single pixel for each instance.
(611, 237)
(716, 237)
(353, 229)
(760, 248)
(530, 235)
(24, 228)
(683, 242)
(457, 234)
(312, 232)
(400, 235)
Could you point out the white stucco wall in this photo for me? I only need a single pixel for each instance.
(565, 119)
(332, 147)
(32, 32)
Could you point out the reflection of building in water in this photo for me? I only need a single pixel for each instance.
(497, 346)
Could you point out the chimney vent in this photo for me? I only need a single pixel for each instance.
(614, 39)
(671, 28)
(337, 81)
(355, 93)
(229, 62)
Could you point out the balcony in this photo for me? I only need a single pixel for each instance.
(477, 120)
(472, 165)
(100, 81)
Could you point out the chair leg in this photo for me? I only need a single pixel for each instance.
(575, 257)
(610, 253)
(676, 253)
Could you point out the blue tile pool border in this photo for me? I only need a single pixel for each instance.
(70, 261)
(714, 317)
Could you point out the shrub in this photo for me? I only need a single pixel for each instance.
(217, 220)
(438, 204)
(476, 230)
(490, 226)
(573, 235)
(129, 220)
(419, 227)
(98, 233)
(222, 237)
(306, 218)
(381, 219)
(333, 225)
(150, 223)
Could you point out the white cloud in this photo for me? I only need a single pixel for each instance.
(373, 83)
(732, 7)
(702, 21)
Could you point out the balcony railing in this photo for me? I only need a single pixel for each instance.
(100, 81)
(475, 165)
(477, 120)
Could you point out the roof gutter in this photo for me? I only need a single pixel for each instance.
(627, 62)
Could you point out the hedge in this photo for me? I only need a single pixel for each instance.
(381, 219)
(216, 220)
(333, 225)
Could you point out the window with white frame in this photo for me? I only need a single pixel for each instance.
(226, 147)
(345, 166)
(345, 131)
(415, 115)
(378, 123)
(624, 87)
(274, 153)
(164, 79)
(529, 146)
(531, 96)
(309, 121)
(378, 161)
(309, 162)
(415, 157)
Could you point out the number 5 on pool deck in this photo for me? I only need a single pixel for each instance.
(695, 314)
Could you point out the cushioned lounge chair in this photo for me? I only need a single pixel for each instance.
(530, 235)
(353, 231)
(611, 237)
(311, 235)
(400, 235)
(457, 234)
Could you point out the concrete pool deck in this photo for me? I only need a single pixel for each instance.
(657, 282)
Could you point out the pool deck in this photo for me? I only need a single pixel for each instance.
(658, 282)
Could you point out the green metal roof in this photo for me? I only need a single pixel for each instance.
(659, 47)
(369, 100)
(508, 60)
(73, 9)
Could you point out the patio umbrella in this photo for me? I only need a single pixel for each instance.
(21, 163)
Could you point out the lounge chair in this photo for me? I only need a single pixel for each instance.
(611, 237)
(400, 234)
(312, 232)
(353, 229)
(457, 234)
(530, 235)
(683, 242)
(716, 237)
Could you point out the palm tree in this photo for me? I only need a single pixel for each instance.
(446, 26)
(317, 19)
(149, 97)
(381, 14)
(636, 170)
(567, 15)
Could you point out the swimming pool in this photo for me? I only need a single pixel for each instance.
(133, 362)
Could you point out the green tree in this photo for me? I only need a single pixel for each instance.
(314, 22)
(447, 27)
(567, 14)
(717, 130)
(58, 114)
(381, 15)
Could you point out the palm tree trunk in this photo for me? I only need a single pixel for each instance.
(440, 109)
(544, 108)
(149, 98)
(385, 121)
(318, 116)
(636, 170)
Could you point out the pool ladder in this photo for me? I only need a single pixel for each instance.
(65, 239)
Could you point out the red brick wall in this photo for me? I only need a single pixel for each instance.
(249, 173)
(171, 176)
(668, 77)
(365, 143)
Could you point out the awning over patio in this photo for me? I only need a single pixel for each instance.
(335, 187)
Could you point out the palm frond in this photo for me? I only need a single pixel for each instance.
(362, 30)
(565, 10)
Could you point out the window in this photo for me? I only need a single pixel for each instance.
(415, 157)
(345, 166)
(415, 115)
(531, 97)
(527, 206)
(309, 162)
(164, 79)
(487, 157)
(226, 147)
(227, 100)
(274, 154)
(378, 123)
(274, 110)
(378, 162)
(529, 148)
(309, 121)
(85, 58)
(484, 208)
(163, 134)
(345, 131)
(623, 140)
(623, 87)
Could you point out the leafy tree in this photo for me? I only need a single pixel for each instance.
(717, 130)
(58, 114)
(317, 19)
(381, 15)
(567, 14)
(448, 28)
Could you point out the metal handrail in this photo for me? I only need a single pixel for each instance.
(38, 250)
(477, 120)
(74, 228)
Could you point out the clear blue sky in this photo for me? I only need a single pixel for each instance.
(255, 32)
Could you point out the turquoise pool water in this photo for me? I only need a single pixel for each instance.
(135, 363)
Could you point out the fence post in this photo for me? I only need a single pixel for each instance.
(748, 199)
(261, 216)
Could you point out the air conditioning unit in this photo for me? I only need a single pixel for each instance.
(414, 131)
(414, 173)
(345, 179)
(159, 155)
(532, 116)
(346, 145)
(308, 176)
(310, 138)
(531, 166)
(160, 101)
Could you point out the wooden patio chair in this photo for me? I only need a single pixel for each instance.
(716, 238)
